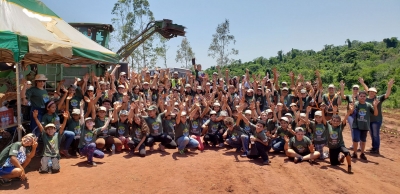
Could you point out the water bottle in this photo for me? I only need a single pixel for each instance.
(113, 149)
(57, 122)
(50, 163)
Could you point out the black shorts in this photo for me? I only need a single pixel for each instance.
(334, 154)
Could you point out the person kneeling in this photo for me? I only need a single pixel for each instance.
(299, 147)
(15, 157)
(51, 139)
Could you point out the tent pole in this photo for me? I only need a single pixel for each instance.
(19, 114)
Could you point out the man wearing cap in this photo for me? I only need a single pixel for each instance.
(38, 97)
(376, 121)
(303, 100)
(157, 134)
(299, 147)
(286, 99)
(331, 99)
(122, 80)
(175, 81)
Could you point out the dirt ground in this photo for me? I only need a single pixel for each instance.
(222, 171)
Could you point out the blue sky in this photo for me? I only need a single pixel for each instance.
(261, 27)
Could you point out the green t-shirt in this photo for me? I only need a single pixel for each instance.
(282, 132)
(330, 101)
(53, 118)
(319, 134)
(74, 127)
(335, 136)
(137, 132)
(15, 149)
(74, 103)
(259, 135)
(195, 127)
(236, 132)
(155, 124)
(270, 125)
(122, 128)
(363, 114)
(213, 127)
(247, 128)
(300, 147)
(182, 129)
(88, 136)
(379, 116)
(99, 123)
(37, 97)
(51, 145)
(169, 126)
(349, 99)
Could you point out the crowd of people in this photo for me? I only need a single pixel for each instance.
(253, 114)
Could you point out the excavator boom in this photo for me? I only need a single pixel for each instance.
(165, 27)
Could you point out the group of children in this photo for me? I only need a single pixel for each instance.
(104, 114)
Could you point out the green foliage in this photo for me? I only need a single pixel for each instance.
(374, 61)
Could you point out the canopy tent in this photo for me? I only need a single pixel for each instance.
(33, 34)
(30, 33)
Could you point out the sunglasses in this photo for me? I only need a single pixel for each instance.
(41, 81)
(355, 88)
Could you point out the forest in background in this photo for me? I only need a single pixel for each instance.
(374, 61)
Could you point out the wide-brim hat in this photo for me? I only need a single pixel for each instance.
(40, 77)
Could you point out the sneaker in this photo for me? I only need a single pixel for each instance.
(374, 151)
(341, 158)
(325, 155)
(244, 154)
(298, 159)
(354, 155)
(221, 145)
(5, 182)
(92, 163)
(370, 150)
(182, 152)
(362, 156)
(266, 162)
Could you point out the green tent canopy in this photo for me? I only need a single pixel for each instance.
(33, 34)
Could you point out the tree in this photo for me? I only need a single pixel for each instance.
(348, 42)
(184, 53)
(219, 47)
(161, 49)
(130, 19)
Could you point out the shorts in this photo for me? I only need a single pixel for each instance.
(6, 170)
(334, 154)
(359, 135)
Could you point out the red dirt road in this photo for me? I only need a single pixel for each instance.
(220, 171)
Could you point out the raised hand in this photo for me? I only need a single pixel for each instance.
(335, 109)
(286, 138)
(66, 114)
(376, 102)
(390, 83)
(35, 114)
(361, 80)
(309, 108)
(342, 84)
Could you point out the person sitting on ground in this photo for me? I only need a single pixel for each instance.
(139, 132)
(233, 134)
(51, 140)
(15, 157)
(299, 147)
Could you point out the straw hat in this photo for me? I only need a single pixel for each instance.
(40, 77)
